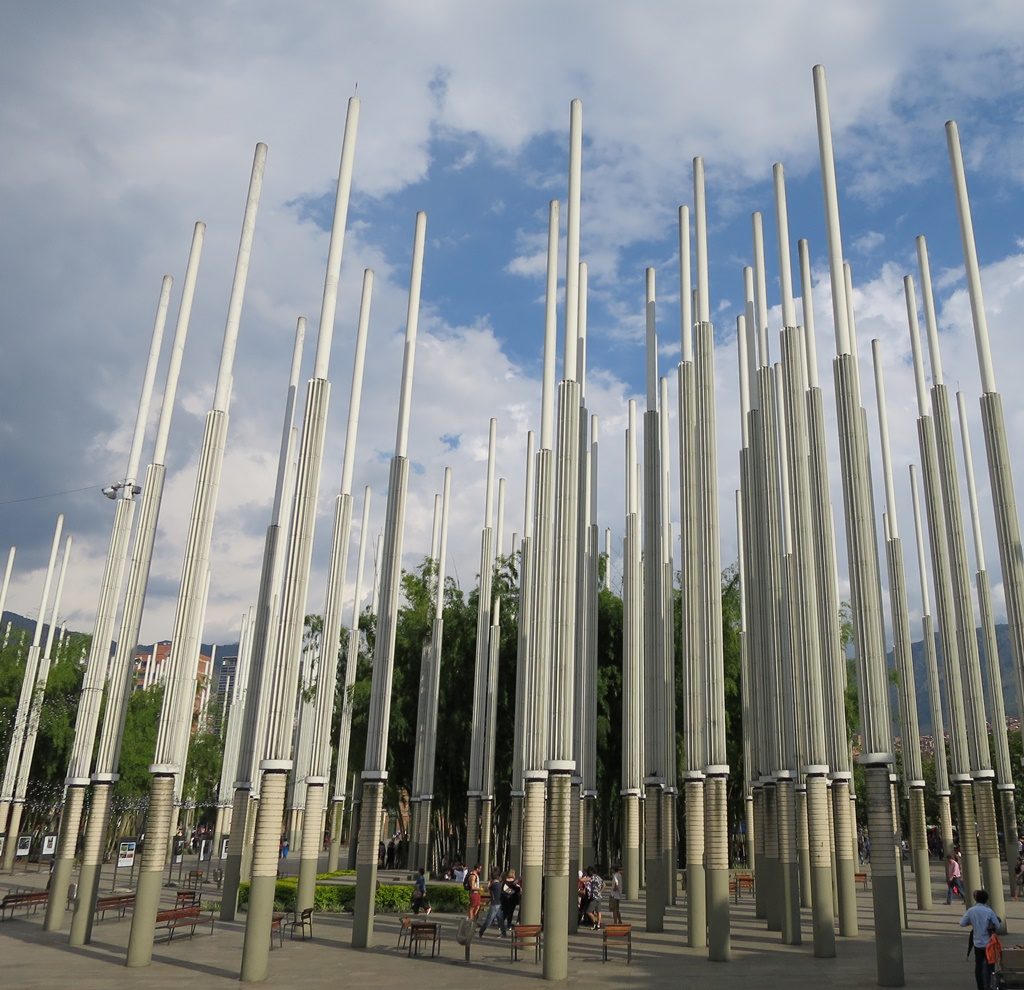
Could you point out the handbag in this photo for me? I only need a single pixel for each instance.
(994, 950)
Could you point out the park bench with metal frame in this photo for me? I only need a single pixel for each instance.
(23, 899)
(174, 919)
(114, 902)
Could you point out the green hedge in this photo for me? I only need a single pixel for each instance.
(339, 898)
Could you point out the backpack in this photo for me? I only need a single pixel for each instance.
(468, 883)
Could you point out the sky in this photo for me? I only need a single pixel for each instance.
(124, 124)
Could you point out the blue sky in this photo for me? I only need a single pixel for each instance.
(128, 125)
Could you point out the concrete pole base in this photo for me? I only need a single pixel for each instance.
(1011, 831)
(788, 865)
(558, 886)
(655, 893)
(337, 814)
(311, 841)
(696, 880)
(151, 874)
(515, 843)
(968, 833)
(885, 894)
(533, 852)
(92, 857)
(820, 865)
(472, 831)
(803, 850)
(572, 902)
(262, 887)
(12, 836)
(716, 854)
(846, 865)
(366, 864)
(233, 864)
(60, 878)
(631, 847)
(919, 850)
(486, 812)
(988, 839)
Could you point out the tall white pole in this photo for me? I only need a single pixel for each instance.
(179, 693)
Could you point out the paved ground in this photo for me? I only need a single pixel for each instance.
(934, 951)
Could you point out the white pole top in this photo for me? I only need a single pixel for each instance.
(581, 329)
(787, 518)
(915, 346)
(930, 323)
(492, 444)
(972, 488)
(833, 232)
(685, 288)
(188, 290)
(547, 402)
(807, 304)
(751, 327)
(364, 539)
(760, 293)
(785, 262)
(632, 500)
(325, 332)
(412, 320)
(963, 209)
(530, 473)
(700, 215)
(149, 376)
(41, 614)
(435, 529)
(595, 424)
(52, 629)
(222, 395)
(499, 530)
(922, 567)
(356, 393)
(572, 237)
(652, 342)
(883, 434)
(851, 322)
(741, 353)
(287, 428)
(443, 555)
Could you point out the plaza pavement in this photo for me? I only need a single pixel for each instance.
(934, 952)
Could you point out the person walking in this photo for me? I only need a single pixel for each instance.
(494, 911)
(984, 923)
(954, 879)
(419, 894)
(615, 894)
(595, 887)
(511, 896)
(472, 884)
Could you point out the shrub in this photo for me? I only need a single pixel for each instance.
(337, 898)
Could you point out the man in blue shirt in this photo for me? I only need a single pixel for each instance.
(984, 921)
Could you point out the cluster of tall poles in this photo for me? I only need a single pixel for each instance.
(798, 782)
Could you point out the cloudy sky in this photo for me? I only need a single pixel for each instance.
(123, 124)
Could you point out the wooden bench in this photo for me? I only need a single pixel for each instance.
(302, 922)
(526, 937)
(424, 931)
(174, 919)
(861, 878)
(114, 902)
(277, 925)
(194, 880)
(621, 933)
(187, 898)
(25, 899)
(741, 883)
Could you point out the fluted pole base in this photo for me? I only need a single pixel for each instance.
(919, 849)
(11, 845)
(631, 846)
(716, 851)
(885, 895)
(260, 910)
(572, 902)
(151, 871)
(312, 836)
(846, 864)
(233, 864)
(472, 830)
(1008, 809)
(759, 864)
(655, 875)
(968, 833)
(533, 851)
(337, 814)
(789, 866)
(820, 866)
(803, 851)
(366, 863)
(486, 820)
(557, 882)
(772, 875)
(92, 861)
(515, 841)
(696, 880)
(64, 864)
(988, 840)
